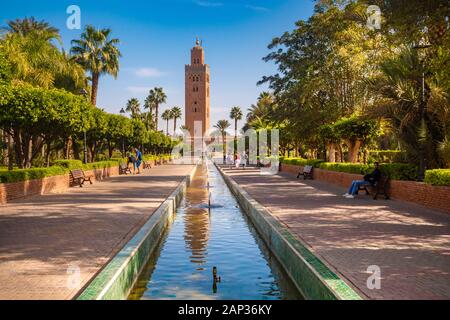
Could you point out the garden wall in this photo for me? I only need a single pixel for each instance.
(435, 197)
(17, 190)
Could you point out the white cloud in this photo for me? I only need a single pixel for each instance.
(146, 89)
(138, 90)
(148, 73)
(257, 8)
(208, 4)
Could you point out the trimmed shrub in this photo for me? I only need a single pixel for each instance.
(30, 174)
(100, 165)
(396, 171)
(69, 164)
(301, 161)
(438, 177)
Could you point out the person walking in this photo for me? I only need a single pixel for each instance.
(138, 160)
(237, 162)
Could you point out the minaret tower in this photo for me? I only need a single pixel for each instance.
(197, 100)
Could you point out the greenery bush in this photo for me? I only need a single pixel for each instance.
(301, 161)
(60, 167)
(30, 174)
(387, 156)
(69, 164)
(396, 171)
(438, 177)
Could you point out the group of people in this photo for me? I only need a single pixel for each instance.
(135, 160)
(237, 160)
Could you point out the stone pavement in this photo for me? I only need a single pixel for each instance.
(45, 239)
(410, 244)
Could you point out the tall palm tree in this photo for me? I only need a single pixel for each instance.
(236, 115)
(97, 53)
(167, 115)
(222, 126)
(155, 98)
(176, 114)
(133, 106)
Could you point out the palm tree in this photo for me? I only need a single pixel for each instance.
(97, 53)
(133, 106)
(155, 98)
(414, 104)
(167, 115)
(35, 60)
(222, 126)
(176, 114)
(29, 25)
(236, 114)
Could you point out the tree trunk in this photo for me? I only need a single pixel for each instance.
(75, 149)
(174, 126)
(47, 156)
(167, 128)
(10, 152)
(353, 150)
(4, 150)
(331, 153)
(156, 116)
(95, 80)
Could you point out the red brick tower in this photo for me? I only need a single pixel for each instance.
(197, 100)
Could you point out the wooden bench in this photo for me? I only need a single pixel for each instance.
(148, 165)
(80, 177)
(124, 169)
(307, 173)
(379, 188)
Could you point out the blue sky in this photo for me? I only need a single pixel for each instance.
(157, 35)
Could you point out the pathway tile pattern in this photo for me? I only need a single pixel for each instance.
(45, 240)
(410, 244)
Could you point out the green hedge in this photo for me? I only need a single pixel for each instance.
(396, 171)
(438, 177)
(30, 174)
(62, 167)
(69, 164)
(301, 161)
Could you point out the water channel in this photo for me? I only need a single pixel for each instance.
(212, 251)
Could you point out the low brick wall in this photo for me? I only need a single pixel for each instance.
(17, 190)
(435, 197)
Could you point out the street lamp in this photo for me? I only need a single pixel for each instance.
(85, 94)
(422, 113)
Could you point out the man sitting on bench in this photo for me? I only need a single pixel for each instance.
(370, 179)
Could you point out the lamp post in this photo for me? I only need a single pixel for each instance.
(85, 94)
(422, 113)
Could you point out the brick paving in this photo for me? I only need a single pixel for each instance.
(43, 238)
(410, 243)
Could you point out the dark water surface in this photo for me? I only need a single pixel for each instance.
(199, 240)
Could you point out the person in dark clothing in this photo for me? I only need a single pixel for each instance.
(369, 179)
(132, 160)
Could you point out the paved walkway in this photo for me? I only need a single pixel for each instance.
(44, 239)
(410, 244)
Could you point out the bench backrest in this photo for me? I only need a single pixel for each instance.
(307, 169)
(123, 166)
(77, 174)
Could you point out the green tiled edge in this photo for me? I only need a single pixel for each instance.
(117, 278)
(311, 276)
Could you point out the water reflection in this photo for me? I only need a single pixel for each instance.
(196, 219)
